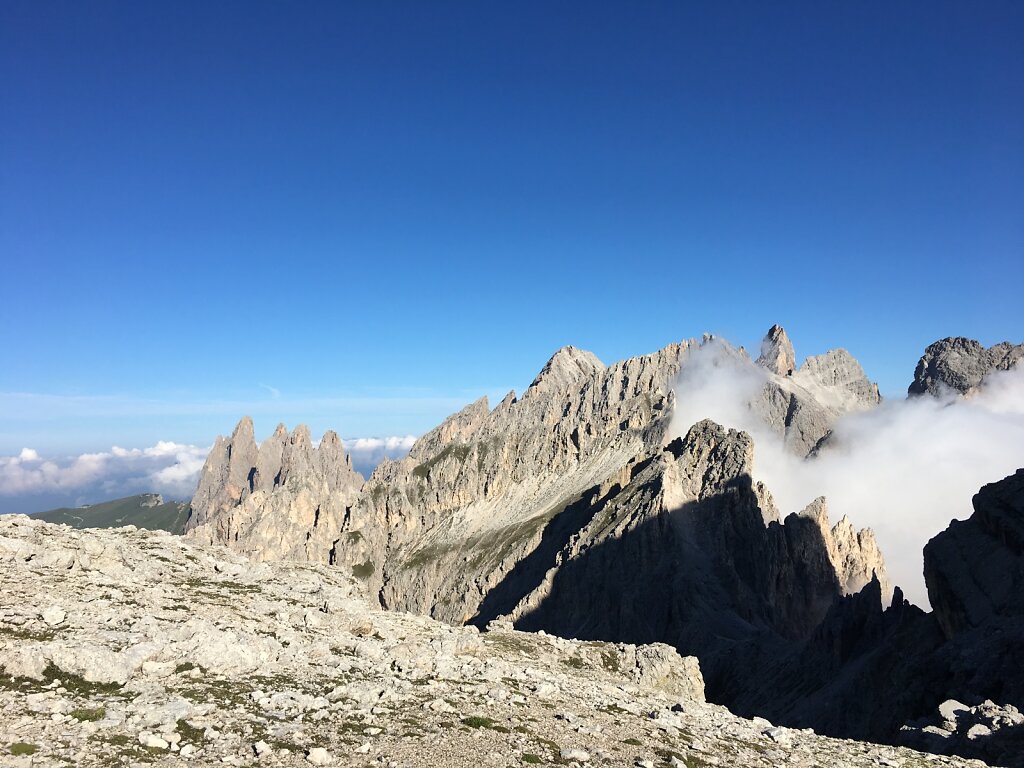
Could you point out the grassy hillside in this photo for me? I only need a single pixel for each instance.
(145, 511)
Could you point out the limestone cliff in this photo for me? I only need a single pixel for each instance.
(285, 500)
(803, 405)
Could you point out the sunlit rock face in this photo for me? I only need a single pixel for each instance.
(285, 500)
(958, 364)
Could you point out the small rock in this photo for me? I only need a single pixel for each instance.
(318, 756)
(152, 741)
(950, 707)
(577, 755)
(261, 748)
(978, 731)
(364, 749)
(53, 615)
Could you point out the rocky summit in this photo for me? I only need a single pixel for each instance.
(958, 365)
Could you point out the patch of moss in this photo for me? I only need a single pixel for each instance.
(456, 450)
(610, 661)
(477, 721)
(21, 633)
(190, 733)
(89, 715)
(78, 686)
(532, 759)
(509, 643)
(556, 751)
(21, 748)
(633, 742)
(424, 556)
(363, 571)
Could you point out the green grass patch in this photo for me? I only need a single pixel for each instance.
(456, 450)
(21, 748)
(89, 715)
(20, 633)
(189, 732)
(477, 721)
(363, 571)
(532, 759)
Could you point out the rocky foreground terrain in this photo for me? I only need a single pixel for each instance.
(130, 647)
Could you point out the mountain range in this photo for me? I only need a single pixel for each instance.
(583, 508)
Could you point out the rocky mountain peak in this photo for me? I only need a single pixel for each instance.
(777, 354)
(270, 501)
(959, 364)
(567, 368)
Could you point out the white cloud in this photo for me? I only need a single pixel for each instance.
(368, 452)
(274, 391)
(168, 468)
(29, 481)
(904, 469)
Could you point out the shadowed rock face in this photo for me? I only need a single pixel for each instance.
(975, 569)
(865, 672)
(960, 365)
(690, 551)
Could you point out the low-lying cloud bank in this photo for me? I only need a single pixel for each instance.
(30, 482)
(368, 452)
(906, 468)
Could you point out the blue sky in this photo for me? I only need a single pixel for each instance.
(362, 217)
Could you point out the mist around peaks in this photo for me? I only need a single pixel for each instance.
(905, 468)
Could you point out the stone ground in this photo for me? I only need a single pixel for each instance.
(126, 647)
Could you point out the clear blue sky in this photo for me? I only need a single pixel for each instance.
(382, 211)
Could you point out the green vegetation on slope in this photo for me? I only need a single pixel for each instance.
(144, 511)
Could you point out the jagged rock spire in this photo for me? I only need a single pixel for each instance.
(270, 501)
(777, 354)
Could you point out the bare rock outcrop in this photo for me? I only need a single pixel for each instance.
(226, 476)
(573, 510)
(987, 731)
(803, 404)
(292, 502)
(777, 353)
(975, 569)
(959, 364)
